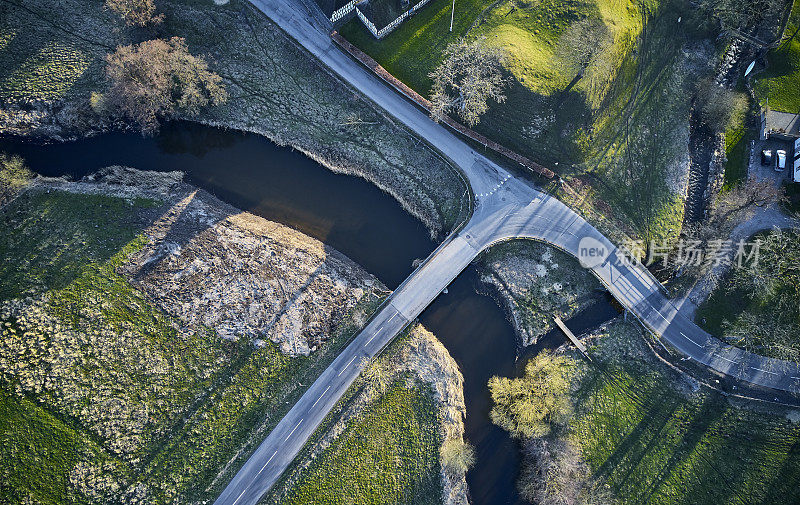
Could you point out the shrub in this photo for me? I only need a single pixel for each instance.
(160, 78)
(14, 176)
(457, 455)
(136, 12)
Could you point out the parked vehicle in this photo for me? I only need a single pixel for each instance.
(781, 164)
(796, 171)
(766, 157)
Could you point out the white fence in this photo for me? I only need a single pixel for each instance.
(344, 11)
(379, 34)
(369, 24)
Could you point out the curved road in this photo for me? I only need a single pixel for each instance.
(506, 208)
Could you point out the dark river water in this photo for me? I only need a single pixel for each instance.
(353, 216)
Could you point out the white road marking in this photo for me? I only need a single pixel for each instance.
(765, 371)
(390, 319)
(240, 496)
(267, 463)
(370, 338)
(665, 319)
(723, 357)
(690, 340)
(320, 397)
(292, 432)
(347, 365)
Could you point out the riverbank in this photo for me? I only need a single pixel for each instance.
(401, 412)
(637, 431)
(268, 79)
(534, 283)
(125, 365)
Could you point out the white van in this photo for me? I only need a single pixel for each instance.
(781, 164)
(796, 171)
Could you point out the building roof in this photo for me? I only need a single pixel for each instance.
(784, 123)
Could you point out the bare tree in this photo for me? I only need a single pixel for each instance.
(554, 473)
(159, 78)
(470, 75)
(771, 323)
(580, 43)
(734, 207)
(136, 12)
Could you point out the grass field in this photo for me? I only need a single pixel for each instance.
(637, 84)
(737, 150)
(389, 454)
(50, 63)
(779, 83)
(115, 397)
(653, 441)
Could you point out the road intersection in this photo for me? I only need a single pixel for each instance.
(506, 207)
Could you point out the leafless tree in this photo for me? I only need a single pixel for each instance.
(773, 284)
(136, 12)
(159, 78)
(469, 76)
(733, 207)
(554, 473)
(579, 44)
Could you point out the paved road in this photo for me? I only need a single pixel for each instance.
(506, 208)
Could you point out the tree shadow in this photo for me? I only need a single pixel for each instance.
(538, 126)
(195, 139)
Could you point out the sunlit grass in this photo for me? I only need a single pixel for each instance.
(779, 84)
(48, 74)
(389, 454)
(654, 445)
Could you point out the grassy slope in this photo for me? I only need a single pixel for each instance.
(387, 420)
(780, 82)
(655, 445)
(70, 244)
(577, 129)
(388, 454)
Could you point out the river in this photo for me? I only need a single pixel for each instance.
(353, 216)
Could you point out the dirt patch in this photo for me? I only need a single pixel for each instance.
(210, 265)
